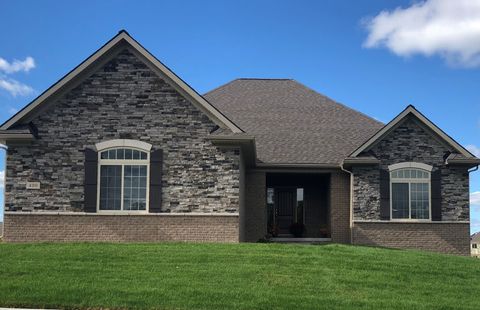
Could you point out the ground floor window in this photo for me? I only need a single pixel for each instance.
(410, 193)
(123, 174)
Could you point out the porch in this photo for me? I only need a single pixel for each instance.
(297, 207)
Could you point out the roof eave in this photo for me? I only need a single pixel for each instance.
(349, 162)
(244, 142)
(7, 137)
(470, 162)
(297, 165)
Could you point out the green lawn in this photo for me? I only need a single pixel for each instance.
(233, 276)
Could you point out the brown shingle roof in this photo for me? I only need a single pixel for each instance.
(292, 123)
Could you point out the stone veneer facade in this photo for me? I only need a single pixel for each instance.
(412, 142)
(124, 99)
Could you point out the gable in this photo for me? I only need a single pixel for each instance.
(122, 97)
(97, 60)
(411, 112)
(410, 140)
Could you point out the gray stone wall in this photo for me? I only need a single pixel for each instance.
(123, 100)
(411, 142)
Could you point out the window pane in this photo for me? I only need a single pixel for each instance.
(121, 154)
(143, 155)
(110, 187)
(136, 154)
(399, 200)
(128, 154)
(112, 154)
(135, 191)
(104, 155)
(420, 200)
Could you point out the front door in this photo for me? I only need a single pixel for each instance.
(285, 199)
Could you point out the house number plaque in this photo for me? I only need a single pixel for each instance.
(33, 185)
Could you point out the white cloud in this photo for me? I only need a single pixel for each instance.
(450, 29)
(12, 110)
(17, 65)
(2, 178)
(15, 88)
(475, 150)
(475, 199)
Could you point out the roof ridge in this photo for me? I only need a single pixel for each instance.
(246, 79)
(266, 79)
(338, 103)
(218, 87)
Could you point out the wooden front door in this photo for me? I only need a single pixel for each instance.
(285, 199)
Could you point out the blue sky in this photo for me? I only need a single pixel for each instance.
(374, 62)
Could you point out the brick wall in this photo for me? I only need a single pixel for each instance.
(255, 206)
(340, 207)
(437, 237)
(120, 228)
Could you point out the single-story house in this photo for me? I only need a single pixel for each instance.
(122, 149)
(475, 244)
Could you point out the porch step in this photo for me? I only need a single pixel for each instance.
(301, 240)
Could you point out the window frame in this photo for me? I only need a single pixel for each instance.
(413, 166)
(123, 163)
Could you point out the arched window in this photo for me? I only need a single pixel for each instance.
(410, 191)
(123, 175)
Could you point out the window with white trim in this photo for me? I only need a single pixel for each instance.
(410, 192)
(123, 179)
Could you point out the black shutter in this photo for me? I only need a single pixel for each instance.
(436, 193)
(156, 162)
(384, 194)
(90, 186)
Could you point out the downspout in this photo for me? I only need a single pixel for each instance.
(351, 201)
(4, 147)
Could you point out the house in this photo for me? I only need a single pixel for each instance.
(475, 244)
(122, 149)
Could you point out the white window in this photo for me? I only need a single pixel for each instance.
(474, 245)
(410, 191)
(123, 179)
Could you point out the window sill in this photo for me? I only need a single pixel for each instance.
(411, 222)
(186, 214)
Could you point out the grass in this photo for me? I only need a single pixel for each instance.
(233, 276)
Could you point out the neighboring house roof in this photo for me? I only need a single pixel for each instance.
(411, 110)
(291, 123)
(475, 238)
(107, 51)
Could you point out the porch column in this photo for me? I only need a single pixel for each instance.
(255, 216)
(340, 207)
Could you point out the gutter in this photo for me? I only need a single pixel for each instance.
(4, 147)
(351, 200)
